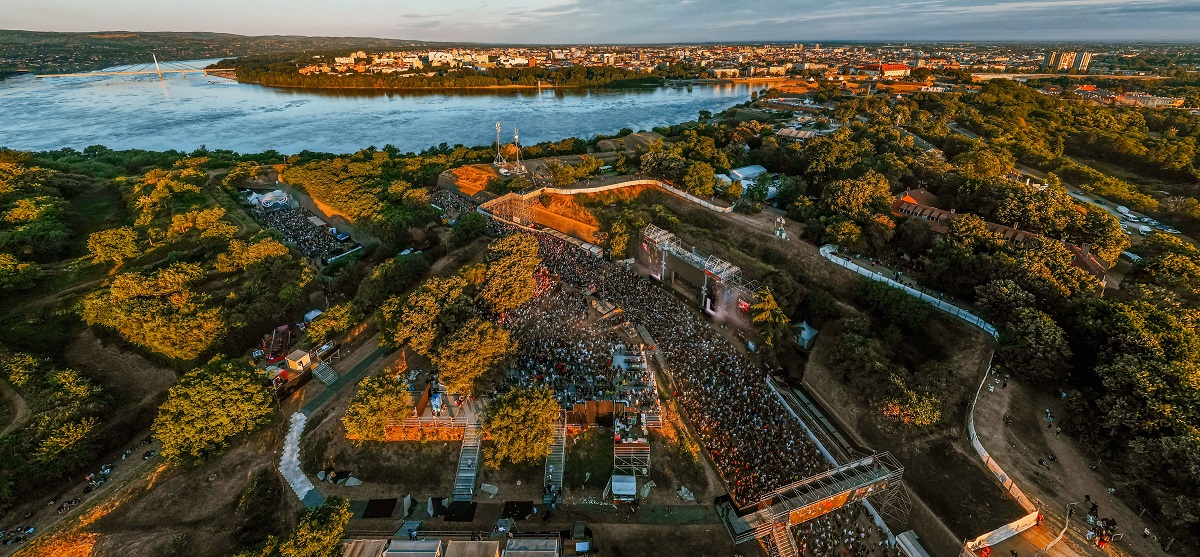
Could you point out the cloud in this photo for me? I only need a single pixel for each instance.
(636, 21)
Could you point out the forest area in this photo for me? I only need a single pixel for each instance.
(1129, 355)
(283, 71)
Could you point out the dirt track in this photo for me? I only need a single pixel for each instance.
(20, 408)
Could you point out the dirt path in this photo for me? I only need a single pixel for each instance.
(20, 408)
(1074, 474)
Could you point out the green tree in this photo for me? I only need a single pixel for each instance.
(773, 324)
(390, 277)
(760, 189)
(334, 321)
(621, 164)
(159, 311)
(468, 227)
(660, 162)
(208, 407)
(16, 274)
(240, 173)
(734, 191)
(561, 175)
(474, 349)
(858, 198)
(699, 178)
(68, 445)
(320, 531)
(379, 399)
(508, 281)
(242, 256)
(844, 234)
(618, 239)
(114, 244)
(418, 320)
(909, 406)
(985, 163)
(1001, 298)
(521, 426)
(1035, 346)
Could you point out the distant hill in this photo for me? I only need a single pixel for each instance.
(45, 52)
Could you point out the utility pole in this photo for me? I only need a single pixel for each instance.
(156, 68)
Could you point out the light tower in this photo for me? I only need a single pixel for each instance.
(499, 162)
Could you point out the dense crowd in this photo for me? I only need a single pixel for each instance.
(558, 347)
(311, 239)
(754, 442)
(451, 204)
(847, 531)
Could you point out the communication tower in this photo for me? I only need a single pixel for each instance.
(499, 162)
(516, 165)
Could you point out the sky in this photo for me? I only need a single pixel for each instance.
(631, 21)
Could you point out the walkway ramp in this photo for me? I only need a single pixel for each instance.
(555, 462)
(653, 420)
(289, 465)
(468, 464)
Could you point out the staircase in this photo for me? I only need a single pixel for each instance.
(556, 460)
(326, 374)
(653, 420)
(781, 538)
(468, 465)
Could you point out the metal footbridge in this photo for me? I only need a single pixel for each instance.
(812, 497)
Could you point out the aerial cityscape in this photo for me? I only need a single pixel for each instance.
(556, 278)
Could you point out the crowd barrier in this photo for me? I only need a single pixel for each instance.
(830, 252)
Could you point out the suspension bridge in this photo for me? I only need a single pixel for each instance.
(151, 68)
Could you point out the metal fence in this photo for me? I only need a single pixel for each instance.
(830, 252)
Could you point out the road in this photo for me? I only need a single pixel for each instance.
(1074, 192)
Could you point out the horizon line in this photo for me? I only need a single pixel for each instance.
(669, 43)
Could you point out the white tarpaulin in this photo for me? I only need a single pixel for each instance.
(1004, 532)
(624, 488)
(645, 492)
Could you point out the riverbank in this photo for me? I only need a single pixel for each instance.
(513, 87)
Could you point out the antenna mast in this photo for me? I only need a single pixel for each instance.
(499, 152)
(517, 166)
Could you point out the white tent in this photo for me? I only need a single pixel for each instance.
(624, 488)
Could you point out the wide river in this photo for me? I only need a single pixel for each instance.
(140, 112)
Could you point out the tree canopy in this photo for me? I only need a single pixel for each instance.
(208, 407)
(508, 281)
(521, 426)
(378, 399)
(470, 352)
(420, 319)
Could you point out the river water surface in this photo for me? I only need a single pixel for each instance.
(128, 112)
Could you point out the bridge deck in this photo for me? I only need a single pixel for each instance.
(143, 72)
(815, 496)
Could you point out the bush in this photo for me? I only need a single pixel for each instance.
(892, 305)
(468, 227)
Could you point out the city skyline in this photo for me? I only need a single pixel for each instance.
(637, 21)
